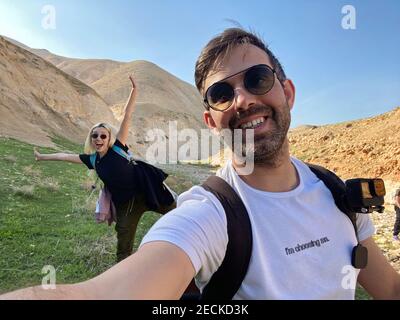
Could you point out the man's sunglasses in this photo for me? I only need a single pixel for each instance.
(257, 80)
(96, 135)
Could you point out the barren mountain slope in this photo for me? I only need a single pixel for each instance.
(36, 99)
(363, 148)
(86, 70)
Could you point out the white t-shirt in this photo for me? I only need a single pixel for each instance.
(302, 243)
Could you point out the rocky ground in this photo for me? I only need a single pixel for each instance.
(383, 237)
(364, 148)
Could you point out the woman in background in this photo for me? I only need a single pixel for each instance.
(396, 227)
(135, 186)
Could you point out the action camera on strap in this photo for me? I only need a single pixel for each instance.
(365, 195)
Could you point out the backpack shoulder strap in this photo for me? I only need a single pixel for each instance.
(93, 160)
(127, 155)
(338, 189)
(359, 255)
(226, 281)
(121, 152)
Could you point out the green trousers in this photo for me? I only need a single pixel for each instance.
(128, 216)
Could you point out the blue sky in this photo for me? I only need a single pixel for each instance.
(339, 74)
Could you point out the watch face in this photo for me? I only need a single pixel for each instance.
(359, 257)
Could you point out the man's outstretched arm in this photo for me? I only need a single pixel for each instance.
(158, 270)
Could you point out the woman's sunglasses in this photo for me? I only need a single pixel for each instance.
(257, 80)
(96, 135)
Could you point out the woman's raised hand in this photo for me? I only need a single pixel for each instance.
(123, 132)
(133, 90)
(133, 82)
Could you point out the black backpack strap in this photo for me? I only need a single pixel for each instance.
(338, 189)
(359, 255)
(226, 281)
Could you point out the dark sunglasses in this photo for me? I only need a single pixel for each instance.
(257, 80)
(96, 135)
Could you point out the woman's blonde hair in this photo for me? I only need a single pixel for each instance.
(88, 149)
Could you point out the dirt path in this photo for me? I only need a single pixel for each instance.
(196, 173)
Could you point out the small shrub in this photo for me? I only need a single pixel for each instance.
(10, 158)
(50, 184)
(24, 191)
(30, 171)
(87, 206)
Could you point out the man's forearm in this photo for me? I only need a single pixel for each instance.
(79, 291)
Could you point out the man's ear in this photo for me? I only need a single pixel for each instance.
(290, 92)
(208, 120)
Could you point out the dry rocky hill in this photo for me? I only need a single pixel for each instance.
(364, 148)
(161, 96)
(37, 99)
(85, 70)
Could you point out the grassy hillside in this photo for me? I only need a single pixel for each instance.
(46, 218)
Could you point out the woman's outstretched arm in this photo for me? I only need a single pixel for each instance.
(74, 158)
(123, 133)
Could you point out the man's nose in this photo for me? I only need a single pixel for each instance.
(243, 99)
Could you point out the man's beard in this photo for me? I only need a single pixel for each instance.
(268, 146)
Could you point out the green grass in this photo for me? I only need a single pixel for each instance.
(46, 218)
(66, 145)
(361, 294)
(200, 163)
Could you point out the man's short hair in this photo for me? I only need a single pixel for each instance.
(220, 46)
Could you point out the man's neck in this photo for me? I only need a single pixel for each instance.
(280, 177)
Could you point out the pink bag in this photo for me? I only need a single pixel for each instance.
(105, 208)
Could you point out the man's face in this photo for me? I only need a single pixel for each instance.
(271, 109)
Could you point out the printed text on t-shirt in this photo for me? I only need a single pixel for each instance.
(308, 245)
